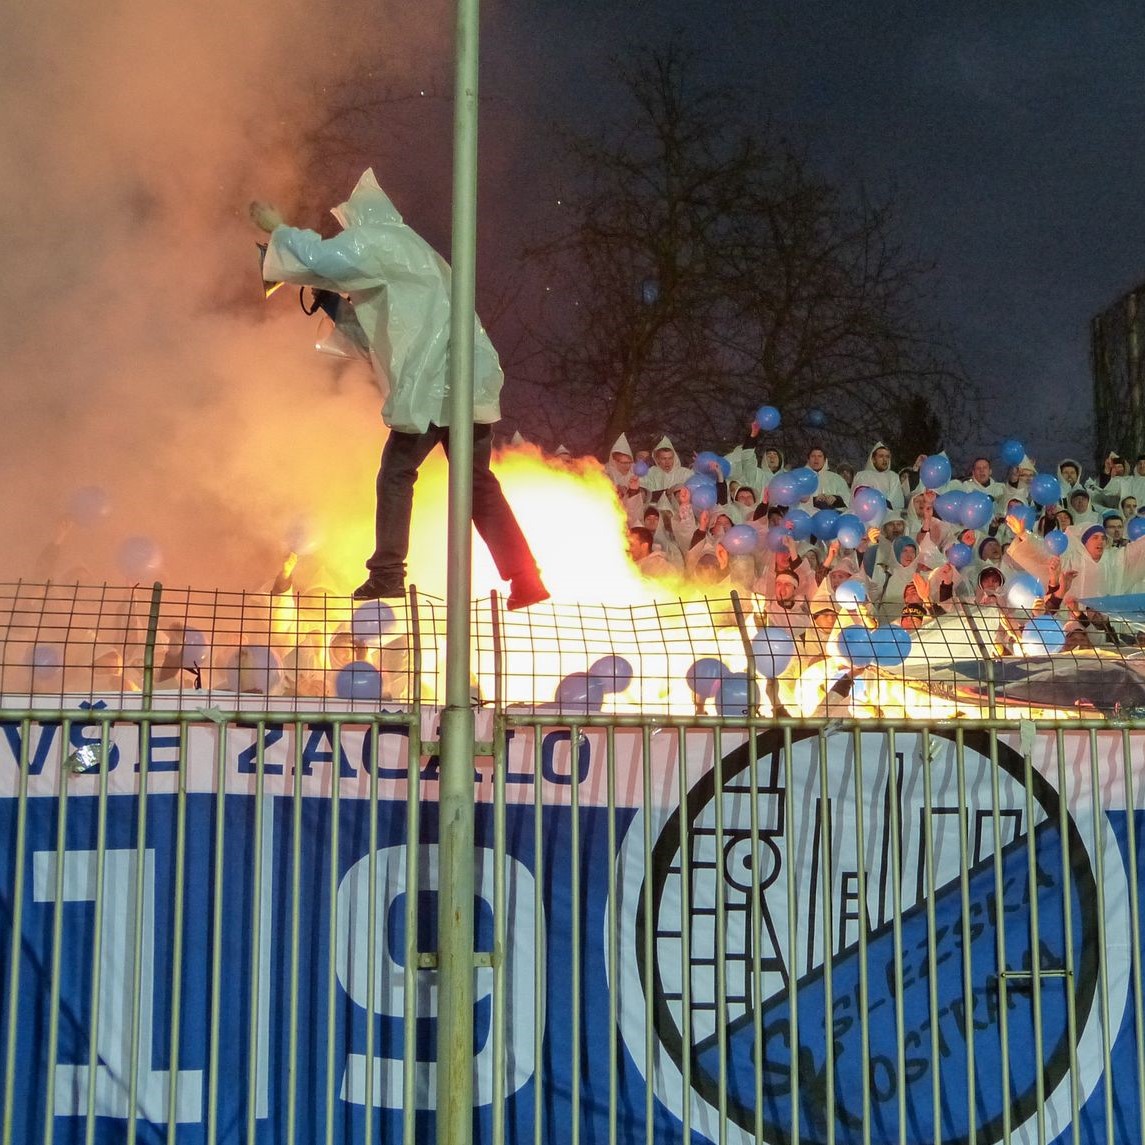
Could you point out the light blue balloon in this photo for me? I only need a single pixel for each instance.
(1046, 489)
(371, 621)
(977, 510)
(614, 672)
(851, 593)
(892, 644)
(850, 531)
(1057, 542)
(870, 506)
(358, 680)
(856, 646)
(704, 676)
(959, 555)
(1012, 451)
(740, 540)
(949, 505)
(825, 524)
(934, 471)
(736, 696)
(704, 497)
(767, 417)
(806, 480)
(798, 524)
(1135, 528)
(1024, 590)
(1044, 635)
(772, 649)
(581, 692)
(783, 489)
(640, 468)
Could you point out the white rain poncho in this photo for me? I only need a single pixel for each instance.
(886, 481)
(657, 479)
(399, 287)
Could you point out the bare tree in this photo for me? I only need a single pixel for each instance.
(707, 268)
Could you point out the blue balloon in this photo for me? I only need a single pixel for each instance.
(1046, 489)
(614, 673)
(959, 555)
(371, 621)
(825, 524)
(1043, 636)
(358, 680)
(783, 489)
(949, 506)
(580, 692)
(704, 676)
(977, 510)
(1135, 528)
(712, 464)
(806, 480)
(640, 468)
(772, 649)
(740, 540)
(892, 644)
(798, 524)
(1057, 542)
(870, 506)
(1012, 451)
(850, 531)
(704, 497)
(856, 646)
(851, 593)
(767, 417)
(775, 541)
(815, 419)
(1024, 590)
(736, 696)
(935, 471)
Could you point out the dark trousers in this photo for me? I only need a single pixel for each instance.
(402, 455)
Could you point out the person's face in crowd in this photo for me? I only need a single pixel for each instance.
(771, 459)
(745, 496)
(1064, 518)
(1118, 469)
(720, 526)
(774, 516)
(847, 472)
(917, 502)
(892, 530)
(1025, 476)
(910, 593)
(929, 496)
(837, 576)
(1139, 468)
(1095, 546)
(824, 620)
(622, 462)
(1079, 502)
(666, 459)
(1070, 474)
(784, 589)
(881, 459)
(782, 560)
(644, 455)
(651, 520)
(981, 471)
(992, 550)
(683, 497)
(816, 459)
(1114, 529)
(909, 552)
(1128, 506)
(637, 546)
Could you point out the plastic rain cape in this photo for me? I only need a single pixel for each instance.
(399, 287)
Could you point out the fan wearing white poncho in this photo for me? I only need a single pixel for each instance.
(399, 287)
(667, 470)
(879, 475)
(1089, 567)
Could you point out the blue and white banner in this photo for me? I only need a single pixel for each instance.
(727, 978)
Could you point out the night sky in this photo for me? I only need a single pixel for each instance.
(1010, 136)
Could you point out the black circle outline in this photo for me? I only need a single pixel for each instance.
(770, 742)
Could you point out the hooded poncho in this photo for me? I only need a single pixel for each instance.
(399, 288)
(885, 481)
(657, 479)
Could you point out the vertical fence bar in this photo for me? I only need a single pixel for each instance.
(217, 933)
(97, 930)
(1067, 924)
(964, 896)
(896, 924)
(177, 939)
(648, 953)
(1134, 927)
(413, 895)
(140, 903)
(540, 982)
(295, 937)
(613, 961)
(686, 1033)
(332, 947)
(1103, 962)
(256, 908)
(1027, 734)
(500, 899)
(828, 883)
(57, 939)
(1000, 938)
(790, 850)
(931, 934)
(755, 919)
(861, 891)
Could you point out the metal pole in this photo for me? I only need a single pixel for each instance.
(455, 851)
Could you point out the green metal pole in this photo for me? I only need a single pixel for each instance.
(455, 850)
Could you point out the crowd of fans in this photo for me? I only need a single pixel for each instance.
(916, 558)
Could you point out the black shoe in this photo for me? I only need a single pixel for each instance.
(526, 590)
(379, 585)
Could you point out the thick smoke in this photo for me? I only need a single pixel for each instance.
(138, 356)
